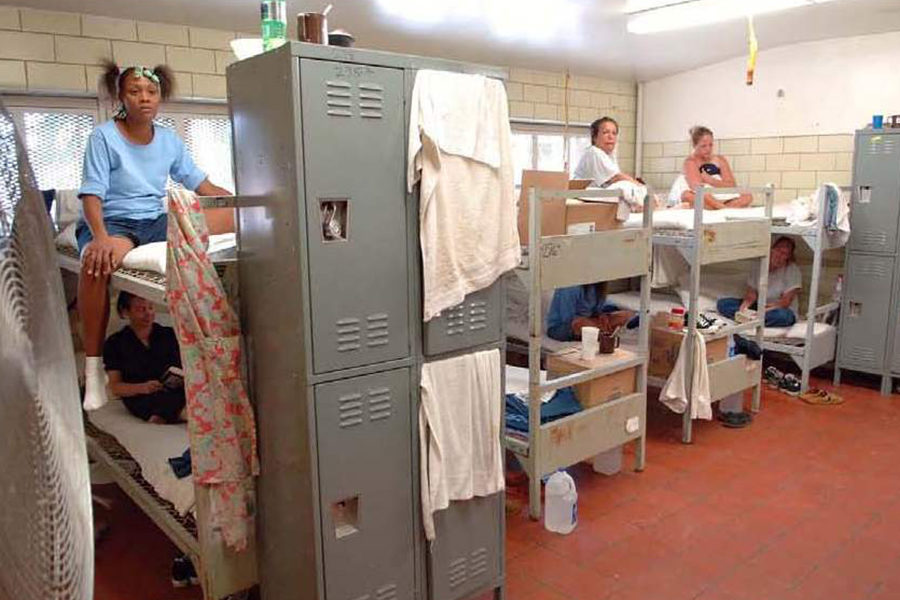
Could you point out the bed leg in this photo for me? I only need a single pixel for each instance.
(534, 495)
(640, 450)
(757, 396)
(836, 379)
(500, 593)
(686, 426)
(886, 384)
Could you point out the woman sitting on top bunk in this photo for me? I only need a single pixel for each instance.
(785, 281)
(126, 164)
(138, 359)
(573, 308)
(598, 164)
(703, 167)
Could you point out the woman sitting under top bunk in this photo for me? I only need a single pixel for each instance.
(599, 164)
(144, 365)
(785, 282)
(578, 306)
(703, 167)
(126, 164)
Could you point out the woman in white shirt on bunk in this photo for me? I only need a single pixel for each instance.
(785, 281)
(704, 167)
(599, 164)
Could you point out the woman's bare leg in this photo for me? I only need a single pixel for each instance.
(219, 220)
(93, 308)
(93, 302)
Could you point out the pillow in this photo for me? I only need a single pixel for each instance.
(67, 205)
(66, 238)
(149, 257)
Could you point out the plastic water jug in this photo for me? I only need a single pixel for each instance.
(561, 503)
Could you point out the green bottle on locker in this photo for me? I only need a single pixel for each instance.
(273, 19)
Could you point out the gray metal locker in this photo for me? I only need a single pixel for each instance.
(328, 260)
(467, 554)
(365, 453)
(866, 311)
(354, 166)
(876, 177)
(474, 322)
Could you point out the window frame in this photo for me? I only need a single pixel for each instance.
(537, 128)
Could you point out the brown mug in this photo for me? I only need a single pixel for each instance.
(608, 342)
(312, 28)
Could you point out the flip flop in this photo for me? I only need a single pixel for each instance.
(816, 396)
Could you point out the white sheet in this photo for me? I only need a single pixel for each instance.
(151, 446)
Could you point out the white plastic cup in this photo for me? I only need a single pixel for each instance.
(590, 334)
(589, 350)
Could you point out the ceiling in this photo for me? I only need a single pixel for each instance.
(586, 36)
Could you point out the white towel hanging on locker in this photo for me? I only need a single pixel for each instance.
(460, 146)
(459, 431)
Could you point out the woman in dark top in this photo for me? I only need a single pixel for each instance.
(137, 359)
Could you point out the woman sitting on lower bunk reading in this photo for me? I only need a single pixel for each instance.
(584, 306)
(704, 167)
(785, 281)
(144, 365)
(126, 164)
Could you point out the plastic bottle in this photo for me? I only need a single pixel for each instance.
(273, 20)
(676, 318)
(561, 507)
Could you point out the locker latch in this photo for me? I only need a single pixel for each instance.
(345, 517)
(335, 219)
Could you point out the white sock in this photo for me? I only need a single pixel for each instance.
(94, 383)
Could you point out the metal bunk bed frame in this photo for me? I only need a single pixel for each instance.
(713, 243)
(565, 260)
(814, 237)
(222, 573)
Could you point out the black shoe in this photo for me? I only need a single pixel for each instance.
(790, 385)
(736, 420)
(183, 572)
(744, 346)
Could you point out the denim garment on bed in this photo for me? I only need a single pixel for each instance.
(563, 404)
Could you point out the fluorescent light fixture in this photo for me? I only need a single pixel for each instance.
(654, 16)
(246, 47)
(527, 20)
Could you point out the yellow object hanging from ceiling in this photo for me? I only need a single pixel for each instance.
(754, 49)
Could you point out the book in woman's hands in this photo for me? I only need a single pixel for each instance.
(173, 378)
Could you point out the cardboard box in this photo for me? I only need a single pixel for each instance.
(665, 344)
(559, 215)
(599, 390)
(553, 211)
(586, 217)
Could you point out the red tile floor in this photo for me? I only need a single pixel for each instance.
(802, 505)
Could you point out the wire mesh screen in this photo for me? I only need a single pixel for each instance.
(208, 139)
(46, 541)
(168, 122)
(56, 142)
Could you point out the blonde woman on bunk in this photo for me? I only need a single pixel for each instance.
(705, 167)
(126, 164)
(599, 164)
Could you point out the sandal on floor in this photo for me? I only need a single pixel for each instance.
(817, 396)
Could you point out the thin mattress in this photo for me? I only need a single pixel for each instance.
(151, 446)
(666, 301)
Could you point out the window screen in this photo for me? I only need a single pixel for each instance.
(55, 142)
(547, 148)
(9, 172)
(208, 139)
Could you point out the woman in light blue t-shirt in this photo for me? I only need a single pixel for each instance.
(126, 165)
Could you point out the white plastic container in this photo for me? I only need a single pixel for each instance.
(609, 462)
(561, 503)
